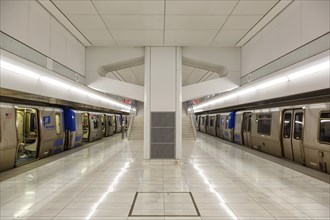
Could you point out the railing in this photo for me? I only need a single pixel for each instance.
(193, 123)
(132, 114)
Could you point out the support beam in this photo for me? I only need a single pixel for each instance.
(207, 88)
(116, 87)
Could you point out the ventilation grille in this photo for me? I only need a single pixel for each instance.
(162, 135)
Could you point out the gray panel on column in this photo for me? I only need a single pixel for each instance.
(162, 135)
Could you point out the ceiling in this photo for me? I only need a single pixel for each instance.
(135, 75)
(120, 23)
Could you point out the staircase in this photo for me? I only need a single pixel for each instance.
(187, 130)
(137, 129)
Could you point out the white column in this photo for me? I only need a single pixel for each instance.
(163, 93)
(147, 76)
(178, 131)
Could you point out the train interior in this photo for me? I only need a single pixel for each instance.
(27, 135)
(85, 125)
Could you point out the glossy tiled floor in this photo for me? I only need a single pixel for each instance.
(100, 182)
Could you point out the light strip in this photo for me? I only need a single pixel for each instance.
(273, 82)
(54, 82)
(19, 70)
(23, 71)
(310, 70)
(297, 74)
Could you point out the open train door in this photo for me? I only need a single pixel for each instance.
(246, 129)
(292, 131)
(27, 125)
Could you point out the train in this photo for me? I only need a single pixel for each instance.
(298, 133)
(29, 133)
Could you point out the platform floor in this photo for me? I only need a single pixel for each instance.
(110, 180)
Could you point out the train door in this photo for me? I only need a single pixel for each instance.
(292, 131)
(246, 129)
(85, 125)
(103, 120)
(27, 134)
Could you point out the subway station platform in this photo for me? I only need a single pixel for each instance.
(109, 179)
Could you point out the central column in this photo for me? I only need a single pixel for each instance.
(163, 103)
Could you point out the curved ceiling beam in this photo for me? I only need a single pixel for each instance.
(216, 68)
(103, 70)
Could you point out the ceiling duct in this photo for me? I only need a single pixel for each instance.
(103, 70)
(221, 70)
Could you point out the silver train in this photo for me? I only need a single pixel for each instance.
(299, 133)
(29, 133)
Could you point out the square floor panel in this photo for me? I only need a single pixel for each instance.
(164, 204)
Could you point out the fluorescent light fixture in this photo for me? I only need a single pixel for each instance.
(310, 70)
(54, 82)
(273, 82)
(16, 69)
(79, 91)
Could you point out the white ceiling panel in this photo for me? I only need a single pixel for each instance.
(200, 7)
(76, 7)
(99, 37)
(138, 37)
(189, 37)
(134, 21)
(194, 21)
(87, 21)
(129, 7)
(254, 7)
(241, 21)
(228, 38)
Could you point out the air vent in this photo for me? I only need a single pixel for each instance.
(162, 135)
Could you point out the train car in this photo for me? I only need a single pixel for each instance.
(203, 123)
(266, 132)
(198, 117)
(92, 126)
(221, 118)
(317, 137)
(29, 133)
(227, 125)
(212, 125)
(118, 123)
(106, 120)
(242, 130)
(73, 127)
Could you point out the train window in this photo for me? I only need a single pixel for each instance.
(58, 123)
(325, 128)
(287, 125)
(298, 125)
(264, 124)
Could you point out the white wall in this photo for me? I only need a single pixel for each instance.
(28, 22)
(299, 23)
